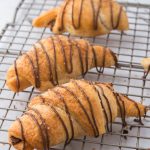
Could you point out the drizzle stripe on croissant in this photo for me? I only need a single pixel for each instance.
(68, 113)
(35, 72)
(17, 76)
(95, 15)
(22, 133)
(44, 128)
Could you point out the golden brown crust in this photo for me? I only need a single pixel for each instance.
(84, 17)
(56, 60)
(75, 109)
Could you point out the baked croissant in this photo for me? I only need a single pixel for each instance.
(146, 64)
(55, 60)
(84, 17)
(78, 108)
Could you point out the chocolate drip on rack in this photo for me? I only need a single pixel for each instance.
(101, 102)
(68, 113)
(22, 133)
(64, 55)
(43, 124)
(17, 76)
(90, 105)
(81, 105)
(40, 129)
(108, 104)
(34, 70)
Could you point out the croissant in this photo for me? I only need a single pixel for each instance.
(146, 64)
(55, 60)
(78, 108)
(84, 17)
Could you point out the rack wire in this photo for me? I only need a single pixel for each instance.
(131, 46)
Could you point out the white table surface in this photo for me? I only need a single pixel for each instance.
(7, 9)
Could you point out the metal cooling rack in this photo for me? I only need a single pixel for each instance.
(131, 47)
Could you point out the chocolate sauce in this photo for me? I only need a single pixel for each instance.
(90, 105)
(55, 62)
(122, 113)
(62, 122)
(80, 58)
(63, 13)
(40, 129)
(64, 55)
(37, 66)
(34, 70)
(95, 60)
(49, 64)
(44, 126)
(68, 113)
(137, 107)
(79, 17)
(109, 107)
(101, 102)
(86, 59)
(81, 105)
(118, 18)
(22, 133)
(17, 76)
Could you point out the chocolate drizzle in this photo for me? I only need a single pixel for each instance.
(34, 70)
(122, 112)
(112, 17)
(55, 64)
(101, 102)
(68, 113)
(64, 55)
(96, 15)
(138, 109)
(90, 105)
(79, 17)
(95, 60)
(22, 133)
(40, 129)
(17, 76)
(63, 124)
(108, 104)
(43, 126)
(81, 105)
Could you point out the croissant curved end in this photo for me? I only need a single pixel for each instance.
(15, 138)
(12, 81)
(46, 18)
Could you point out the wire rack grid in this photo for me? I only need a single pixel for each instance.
(131, 47)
